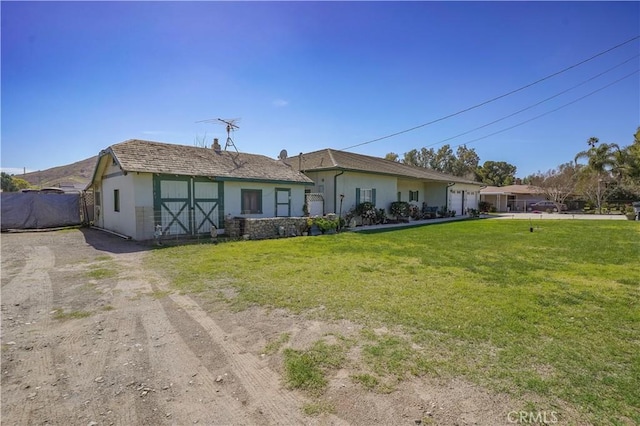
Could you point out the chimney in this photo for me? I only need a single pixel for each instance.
(216, 145)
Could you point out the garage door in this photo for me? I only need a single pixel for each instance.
(187, 205)
(472, 200)
(456, 201)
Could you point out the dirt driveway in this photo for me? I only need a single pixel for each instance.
(89, 337)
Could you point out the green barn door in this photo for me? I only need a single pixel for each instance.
(207, 206)
(172, 199)
(187, 206)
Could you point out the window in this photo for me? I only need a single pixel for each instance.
(96, 198)
(365, 195)
(116, 200)
(413, 195)
(251, 201)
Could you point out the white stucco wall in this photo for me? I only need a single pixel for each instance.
(233, 198)
(436, 193)
(385, 186)
(433, 193)
(135, 218)
(122, 221)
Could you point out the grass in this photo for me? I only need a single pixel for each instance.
(275, 345)
(305, 369)
(318, 407)
(553, 313)
(101, 272)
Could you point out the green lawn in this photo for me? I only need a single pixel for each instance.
(553, 313)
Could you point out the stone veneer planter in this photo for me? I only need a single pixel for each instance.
(264, 228)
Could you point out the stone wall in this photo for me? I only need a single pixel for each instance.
(263, 228)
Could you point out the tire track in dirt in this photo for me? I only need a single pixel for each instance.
(27, 301)
(278, 406)
(179, 388)
(196, 393)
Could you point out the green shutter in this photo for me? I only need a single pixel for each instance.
(373, 197)
(357, 196)
(399, 196)
(417, 196)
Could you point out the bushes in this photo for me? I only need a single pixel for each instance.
(367, 211)
(323, 223)
(400, 209)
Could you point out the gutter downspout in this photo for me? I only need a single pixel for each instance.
(335, 191)
(446, 197)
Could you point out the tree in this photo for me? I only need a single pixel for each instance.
(466, 162)
(8, 185)
(592, 187)
(631, 162)
(392, 156)
(412, 158)
(600, 158)
(603, 163)
(557, 184)
(496, 173)
(20, 183)
(444, 160)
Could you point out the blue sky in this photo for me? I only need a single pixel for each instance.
(80, 76)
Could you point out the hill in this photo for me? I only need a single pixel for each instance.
(77, 174)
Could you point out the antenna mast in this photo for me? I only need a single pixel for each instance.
(231, 126)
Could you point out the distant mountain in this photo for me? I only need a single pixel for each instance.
(78, 174)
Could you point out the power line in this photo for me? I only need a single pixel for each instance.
(549, 112)
(495, 98)
(536, 104)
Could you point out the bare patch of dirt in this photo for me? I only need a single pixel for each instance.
(90, 337)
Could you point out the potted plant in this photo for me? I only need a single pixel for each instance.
(630, 212)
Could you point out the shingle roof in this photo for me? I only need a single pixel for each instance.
(154, 157)
(331, 159)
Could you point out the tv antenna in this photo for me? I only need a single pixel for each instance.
(231, 127)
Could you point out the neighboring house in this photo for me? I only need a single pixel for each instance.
(189, 190)
(359, 178)
(514, 198)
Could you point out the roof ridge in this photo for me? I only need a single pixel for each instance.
(333, 160)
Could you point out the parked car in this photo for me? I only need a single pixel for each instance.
(547, 205)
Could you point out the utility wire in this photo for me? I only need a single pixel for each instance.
(534, 105)
(549, 112)
(495, 98)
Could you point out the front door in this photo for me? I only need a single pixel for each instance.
(283, 202)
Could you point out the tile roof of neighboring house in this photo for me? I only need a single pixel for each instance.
(510, 189)
(155, 157)
(331, 159)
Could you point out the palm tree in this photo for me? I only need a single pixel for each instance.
(602, 161)
(600, 158)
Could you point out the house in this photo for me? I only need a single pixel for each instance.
(514, 198)
(144, 188)
(343, 180)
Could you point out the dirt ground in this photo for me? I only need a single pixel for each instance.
(82, 346)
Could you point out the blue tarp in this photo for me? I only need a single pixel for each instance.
(37, 210)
